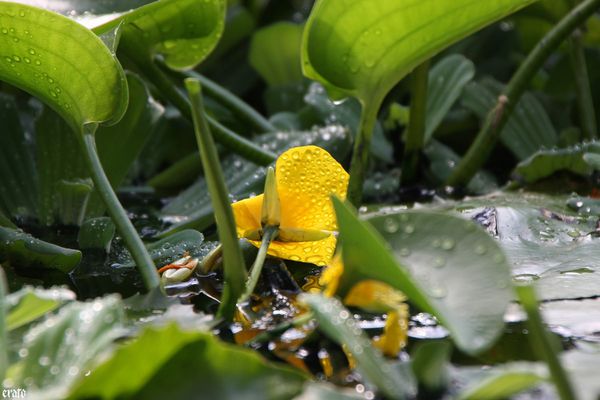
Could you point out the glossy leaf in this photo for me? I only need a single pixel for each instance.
(338, 323)
(440, 262)
(185, 364)
(431, 364)
(447, 80)
(184, 32)
(544, 163)
(60, 350)
(62, 63)
(528, 129)
(502, 382)
(96, 233)
(29, 304)
(25, 251)
(275, 53)
(364, 51)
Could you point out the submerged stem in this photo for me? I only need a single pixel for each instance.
(119, 216)
(415, 135)
(360, 155)
(490, 131)
(269, 234)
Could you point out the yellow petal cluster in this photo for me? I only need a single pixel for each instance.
(306, 178)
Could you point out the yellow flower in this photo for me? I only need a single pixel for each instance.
(306, 177)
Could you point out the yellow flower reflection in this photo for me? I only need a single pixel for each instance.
(306, 177)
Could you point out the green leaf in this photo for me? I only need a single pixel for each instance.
(17, 165)
(60, 350)
(63, 175)
(364, 51)
(447, 80)
(25, 251)
(3, 326)
(275, 53)
(431, 364)
(441, 262)
(96, 233)
(29, 304)
(184, 32)
(184, 365)
(504, 381)
(544, 163)
(528, 129)
(325, 391)
(337, 322)
(62, 63)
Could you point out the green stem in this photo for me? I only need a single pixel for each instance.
(489, 133)
(269, 234)
(119, 216)
(415, 135)
(3, 327)
(277, 331)
(585, 102)
(233, 260)
(542, 344)
(233, 103)
(222, 134)
(360, 155)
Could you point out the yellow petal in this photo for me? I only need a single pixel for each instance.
(374, 296)
(247, 214)
(394, 333)
(330, 277)
(306, 178)
(317, 252)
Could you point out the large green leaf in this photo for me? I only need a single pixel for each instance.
(29, 304)
(62, 63)
(59, 351)
(364, 49)
(185, 365)
(441, 262)
(447, 80)
(17, 165)
(275, 53)
(184, 32)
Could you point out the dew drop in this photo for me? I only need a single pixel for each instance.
(44, 361)
(439, 262)
(32, 52)
(391, 225)
(404, 252)
(448, 244)
(409, 229)
(480, 249)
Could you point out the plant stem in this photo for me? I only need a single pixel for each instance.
(585, 101)
(233, 261)
(278, 330)
(3, 326)
(233, 103)
(415, 135)
(541, 342)
(222, 134)
(488, 135)
(269, 234)
(360, 155)
(119, 216)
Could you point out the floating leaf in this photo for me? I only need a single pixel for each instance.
(25, 251)
(62, 63)
(440, 262)
(544, 163)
